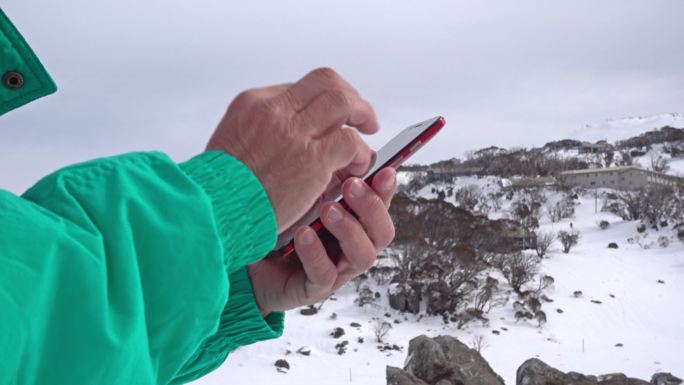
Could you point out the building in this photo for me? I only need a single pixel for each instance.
(619, 178)
(595, 148)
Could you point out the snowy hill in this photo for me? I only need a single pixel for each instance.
(627, 318)
(613, 130)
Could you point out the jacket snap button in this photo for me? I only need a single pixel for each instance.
(13, 80)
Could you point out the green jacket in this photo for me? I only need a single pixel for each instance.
(128, 269)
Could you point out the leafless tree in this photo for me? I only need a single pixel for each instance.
(469, 196)
(659, 163)
(478, 343)
(381, 329)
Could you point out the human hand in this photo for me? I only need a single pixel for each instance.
(283, 283)
(294, 139)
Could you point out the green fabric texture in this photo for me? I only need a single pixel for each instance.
(16, 55)
(131, 270)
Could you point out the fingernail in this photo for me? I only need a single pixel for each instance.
(307, 237)
(389, 186)
(334, 214)
(357, 188)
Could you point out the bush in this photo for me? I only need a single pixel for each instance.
(568, 239)
(518, 268)
(663, 241)
(366, 297)
(544, 242)
(604, 225)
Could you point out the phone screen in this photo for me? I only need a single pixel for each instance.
(393, 153)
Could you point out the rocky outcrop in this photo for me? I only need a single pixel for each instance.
(444, 360)
(396, 376)
(405, 297)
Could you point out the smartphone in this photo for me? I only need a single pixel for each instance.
(392, 154)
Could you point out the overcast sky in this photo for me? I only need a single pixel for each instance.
(157, 75)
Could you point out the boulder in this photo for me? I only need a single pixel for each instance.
(405, 297)
(396, 376)
(665, 379)
(446, 360)
(536, 372)
(619, 379)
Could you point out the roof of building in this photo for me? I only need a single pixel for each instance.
(602, 170)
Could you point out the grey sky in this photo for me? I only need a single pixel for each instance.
(157, 75)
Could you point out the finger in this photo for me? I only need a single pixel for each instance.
(385, 184)
(334, 108)
(371, 212)
(319, 269)
(307, 89)
(342, 149)
(357, 248)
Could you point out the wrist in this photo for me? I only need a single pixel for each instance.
(254, 276)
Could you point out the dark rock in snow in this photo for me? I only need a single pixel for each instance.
(446, 358)
(612, 245)
(310, 310)
(304, 350)
(665, 379)
(337, 333)
(355, 325)
(536, 372)
(619, 379)
(282, 366)
(396, 376)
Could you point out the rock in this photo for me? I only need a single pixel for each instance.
(355, 325)
(665, 379)
(342, 347)
(612, 245)
(619, 379)
(444, 358)
(536, 372)
(310, 310)
(282, 366)
(304, 350)
(439, 299)
(405, 297)
(337, 333)
(396, 376)
(596, 301)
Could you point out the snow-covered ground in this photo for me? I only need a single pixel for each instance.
(645, 316)
(619, 129)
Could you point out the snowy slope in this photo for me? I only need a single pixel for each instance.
(643, 315)
(619, 129)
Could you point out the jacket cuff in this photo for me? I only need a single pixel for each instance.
(241, 322)
(244, 216)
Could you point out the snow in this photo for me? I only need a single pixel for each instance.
(642, 314)
(613, 130)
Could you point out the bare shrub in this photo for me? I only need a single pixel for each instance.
(568, 239)
(381, 329)
(518, 268)
(478, 343)
(544, 242)
(469, 196)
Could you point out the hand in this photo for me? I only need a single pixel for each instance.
(289, 282)
(293, 137)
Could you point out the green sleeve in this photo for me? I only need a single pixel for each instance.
(131, 270)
